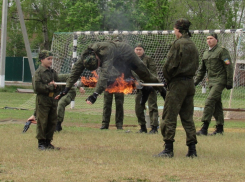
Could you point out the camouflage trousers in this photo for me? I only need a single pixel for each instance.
(46, 113)
(213, 105)
(152, 105)
(179, 100)
(63, 102)
(119, 100)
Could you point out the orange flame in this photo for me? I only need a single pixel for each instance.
(121, 86)
(91, 81)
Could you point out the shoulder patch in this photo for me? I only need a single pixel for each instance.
(227, 61)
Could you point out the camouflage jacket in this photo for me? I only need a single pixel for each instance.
(182, 59)
(43, 76)
(217, 63)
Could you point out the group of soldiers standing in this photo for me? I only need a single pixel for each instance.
(179, 71)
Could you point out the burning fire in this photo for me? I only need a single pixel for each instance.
(91, 81)
(121, 86)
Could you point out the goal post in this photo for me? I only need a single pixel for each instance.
(68, 46)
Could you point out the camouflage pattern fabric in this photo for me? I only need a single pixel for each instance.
(179, 69)
(46, 105)
(44, 54)
(217, 63)
(119, 100)
(152, 99)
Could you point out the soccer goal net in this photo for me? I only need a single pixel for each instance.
(68, 46)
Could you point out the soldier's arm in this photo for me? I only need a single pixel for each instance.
(172, 62)
(225, 56)
(201, 73)
(63, 77)
(76, 71)
(40, 87)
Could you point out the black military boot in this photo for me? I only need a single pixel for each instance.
(191, 151)
(50, 146)
(204, 129)
(104, 127)
(58, 127)
(167, 152)
(42, 144)
(143, 129)
(153, 130)
(218, 130)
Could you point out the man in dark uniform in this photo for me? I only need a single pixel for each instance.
(106, 55)
(179, 69)
(217, 63)
(152, 99)
(46, 106)
(108, 98)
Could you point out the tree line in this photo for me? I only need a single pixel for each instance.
(44, 17)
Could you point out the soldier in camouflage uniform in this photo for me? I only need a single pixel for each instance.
(179, 69)
(108, 97)
(63, 102)
(217, 63)
(152, 99)
(106, 55)
(46, 106)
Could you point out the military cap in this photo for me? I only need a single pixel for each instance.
(214, 35)
(44, 54)
(139, 45)
(117, 38)
(90, 62)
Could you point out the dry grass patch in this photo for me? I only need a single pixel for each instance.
(89, 154)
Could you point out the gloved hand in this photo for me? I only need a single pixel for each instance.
(145, 94)
(163, 93)
(63, 93)
(228, 87)
(92, 98)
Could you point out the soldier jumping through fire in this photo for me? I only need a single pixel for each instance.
(106, 55)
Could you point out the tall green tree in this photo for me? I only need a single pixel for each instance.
(82, 15)
(151, 14)
(41, 18)
(231, 13)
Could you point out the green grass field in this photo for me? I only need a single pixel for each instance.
(89, 154)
